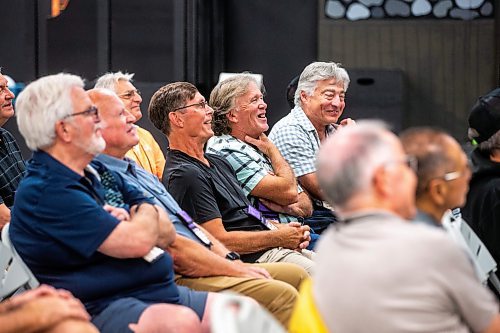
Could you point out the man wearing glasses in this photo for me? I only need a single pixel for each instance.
(71, 237)
(12, 168)
(147, 153)
(205, 185)
(376, 270)
(443, 172)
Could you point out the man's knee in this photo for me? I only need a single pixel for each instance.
(168, 317)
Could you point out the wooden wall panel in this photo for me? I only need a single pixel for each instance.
(447, 64)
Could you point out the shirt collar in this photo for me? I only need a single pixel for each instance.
(121, 166)
(56, 167)
(305, 123)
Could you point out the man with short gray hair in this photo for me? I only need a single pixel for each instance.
(319, 103)
(382, 273)
(147, 153)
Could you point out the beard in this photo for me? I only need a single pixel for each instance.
(96, 146)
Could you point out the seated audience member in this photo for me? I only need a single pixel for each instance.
(66, 233)
(12, 168)
(443, 172)
(376, 271)
(44, 309)
(147, 153)
(205, 264)
(264, 175)
(319, 103)
(482, 209)
(205, 186)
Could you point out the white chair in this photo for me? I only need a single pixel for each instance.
(232, 313)
(484, 264)
(15, 276)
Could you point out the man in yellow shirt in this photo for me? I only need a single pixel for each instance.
(147, 153)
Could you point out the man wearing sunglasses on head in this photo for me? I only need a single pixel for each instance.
(147, 153)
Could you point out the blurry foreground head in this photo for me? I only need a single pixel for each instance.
(363, 168)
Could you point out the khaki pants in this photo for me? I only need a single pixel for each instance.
(279, 254)
(277, 295)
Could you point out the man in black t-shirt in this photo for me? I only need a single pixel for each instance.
(205, 185)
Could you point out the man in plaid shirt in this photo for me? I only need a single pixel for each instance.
(263, 173)
(12, 168)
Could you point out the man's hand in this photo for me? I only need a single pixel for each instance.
(51, 310)
(262, 143)
(306, 234)
(4, 215)
(347, 122)
(292, 209)
(250, 271)
(294, 235)
(120, 213)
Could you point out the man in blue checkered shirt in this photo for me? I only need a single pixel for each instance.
(264, 175)
(12, 168)
(319, 103)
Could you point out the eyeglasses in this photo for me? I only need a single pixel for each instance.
(91, 111)
(201, 105)
(409, 160)
(129, 94)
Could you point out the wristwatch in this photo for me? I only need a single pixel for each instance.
(233, 256)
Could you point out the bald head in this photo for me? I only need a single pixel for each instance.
(364, 167)
(443, 171)
(117, 123)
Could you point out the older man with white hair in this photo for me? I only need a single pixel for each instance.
(71, 236)
(377, 271)
(319, 103)
(147, 153)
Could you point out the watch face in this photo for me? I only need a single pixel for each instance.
(233, 256)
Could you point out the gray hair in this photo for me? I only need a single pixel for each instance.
(223, 99)
(319, 71)
(109, 80)
(41, 104)
(348, 159)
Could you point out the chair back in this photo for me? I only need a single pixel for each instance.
(232, 313)
(305, 314)
(15, 276)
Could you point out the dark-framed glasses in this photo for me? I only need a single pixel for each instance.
(201, 105)
(91, 111)
(129, 94)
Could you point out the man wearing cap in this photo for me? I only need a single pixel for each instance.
(12, 168)
(482, 209)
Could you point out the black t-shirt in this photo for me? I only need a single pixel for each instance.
(209, 192)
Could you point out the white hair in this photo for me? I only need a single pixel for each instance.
(109, 80)
(319, 71)
(41, 104)
(349, 158)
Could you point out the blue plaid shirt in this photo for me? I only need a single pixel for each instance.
(12, 167)
(298, 141)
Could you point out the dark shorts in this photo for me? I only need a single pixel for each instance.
(116, 317)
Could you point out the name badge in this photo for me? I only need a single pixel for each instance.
(153, 255)
(188, 222)
(252, 211)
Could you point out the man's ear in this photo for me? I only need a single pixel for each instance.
(437, 191)
(381, 182)
(175, 119)
(231, 116)
(62, 132)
